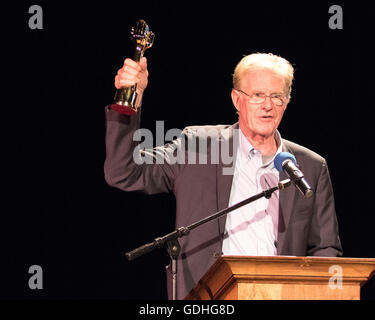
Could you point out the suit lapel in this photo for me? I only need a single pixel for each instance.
(224, 172)
(286, 204)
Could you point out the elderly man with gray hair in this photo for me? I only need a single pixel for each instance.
(285, 224)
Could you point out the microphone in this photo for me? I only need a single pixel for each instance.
(286, 162)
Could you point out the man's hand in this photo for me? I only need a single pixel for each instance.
(133, 73)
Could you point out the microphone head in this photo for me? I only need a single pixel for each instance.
(280, 158)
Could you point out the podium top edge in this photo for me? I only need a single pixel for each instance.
(297, 259)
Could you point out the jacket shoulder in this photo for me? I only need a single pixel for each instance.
(302, 152)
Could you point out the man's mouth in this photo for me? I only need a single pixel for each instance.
(266, 118)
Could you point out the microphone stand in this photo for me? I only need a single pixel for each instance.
(170, 240)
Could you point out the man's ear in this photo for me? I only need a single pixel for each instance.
(236, 99)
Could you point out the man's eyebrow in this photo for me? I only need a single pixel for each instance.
(260, 91)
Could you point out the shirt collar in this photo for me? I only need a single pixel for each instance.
(248, 151)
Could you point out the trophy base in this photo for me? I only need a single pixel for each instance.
(123, 109)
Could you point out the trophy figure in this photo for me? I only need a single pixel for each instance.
(125, 98)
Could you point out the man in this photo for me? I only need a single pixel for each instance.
(285, 224)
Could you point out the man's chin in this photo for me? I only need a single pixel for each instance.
(265, 133)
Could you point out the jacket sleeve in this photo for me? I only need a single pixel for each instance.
(130, 168)
(324, 234)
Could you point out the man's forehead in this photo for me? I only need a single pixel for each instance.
(263, 78)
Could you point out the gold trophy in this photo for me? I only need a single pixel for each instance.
(125, 98)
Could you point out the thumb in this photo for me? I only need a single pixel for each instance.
(143, 63)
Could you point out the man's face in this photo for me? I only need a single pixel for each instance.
(259, 119)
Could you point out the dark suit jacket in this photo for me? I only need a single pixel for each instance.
(306, 226)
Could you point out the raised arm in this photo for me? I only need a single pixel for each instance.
(120, 168)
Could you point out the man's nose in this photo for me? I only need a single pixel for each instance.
(267, 104)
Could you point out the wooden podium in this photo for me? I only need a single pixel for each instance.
(284, 278)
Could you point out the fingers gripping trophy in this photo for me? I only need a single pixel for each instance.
(128, 88)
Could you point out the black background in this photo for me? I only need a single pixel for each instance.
(56, 209)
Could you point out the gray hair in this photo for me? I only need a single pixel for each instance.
(264, 60)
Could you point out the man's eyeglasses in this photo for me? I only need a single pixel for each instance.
(277, 99)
